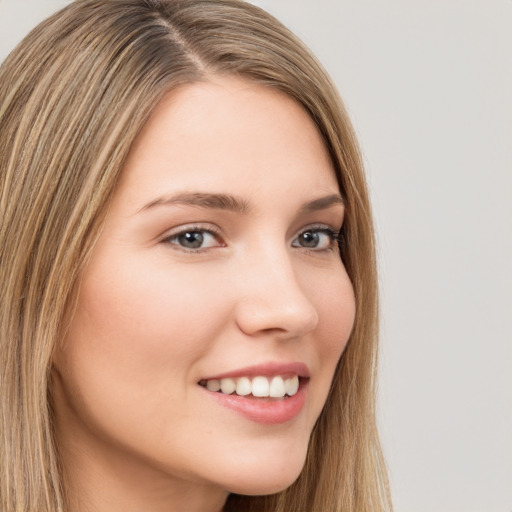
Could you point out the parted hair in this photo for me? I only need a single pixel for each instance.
(73, 96)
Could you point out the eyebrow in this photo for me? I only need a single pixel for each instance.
(233, 203)
(322, 203)
(203, 200)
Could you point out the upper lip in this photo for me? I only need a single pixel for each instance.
(269, 369)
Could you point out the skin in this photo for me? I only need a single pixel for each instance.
(135, 430)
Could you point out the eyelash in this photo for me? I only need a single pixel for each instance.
(192, 229)
(335, 237)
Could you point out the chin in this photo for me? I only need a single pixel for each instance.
(270, 476)
(263, 486)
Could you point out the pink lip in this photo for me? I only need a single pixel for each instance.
(265, 370)
(268, 411)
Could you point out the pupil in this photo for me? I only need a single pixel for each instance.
(191, 240)
(310, 239)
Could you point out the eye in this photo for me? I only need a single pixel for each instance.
(317, 239)
(194, 239)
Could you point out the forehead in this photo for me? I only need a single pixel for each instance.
(229, 133)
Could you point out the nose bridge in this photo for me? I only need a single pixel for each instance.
(273, 299)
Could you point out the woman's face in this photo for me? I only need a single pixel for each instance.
(217, 266)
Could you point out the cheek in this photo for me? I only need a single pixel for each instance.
(131, 353)
(336, 307)
(136, 333)
(148, 312)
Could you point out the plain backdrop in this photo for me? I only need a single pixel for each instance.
(429, 88)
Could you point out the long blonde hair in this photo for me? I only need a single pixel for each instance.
(73, 96)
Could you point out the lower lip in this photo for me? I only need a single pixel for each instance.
(263, 410)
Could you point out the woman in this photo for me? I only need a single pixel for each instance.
(189, 303)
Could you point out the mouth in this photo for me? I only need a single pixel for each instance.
(268, 394)
(259, 386)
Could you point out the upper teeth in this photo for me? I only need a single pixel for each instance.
(276, 387)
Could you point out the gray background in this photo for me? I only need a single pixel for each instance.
(429, 88)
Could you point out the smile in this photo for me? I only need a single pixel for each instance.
(270, 393)
(258, 386)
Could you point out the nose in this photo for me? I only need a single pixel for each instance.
(273, 300)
